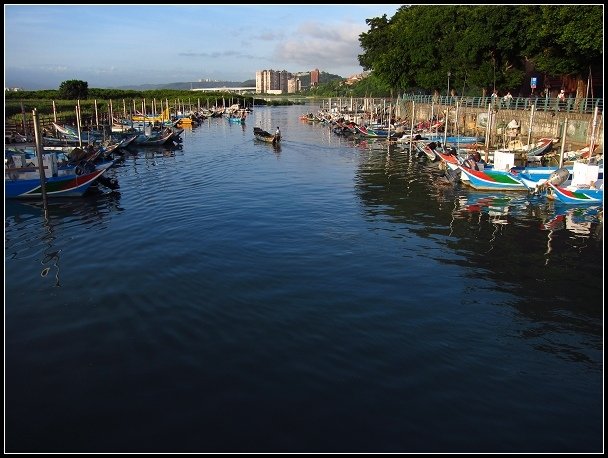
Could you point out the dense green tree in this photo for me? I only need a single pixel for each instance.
(481, 46)
(487, 48)
(382, 51)
(568, 40)
(73, 89)
(371, 86)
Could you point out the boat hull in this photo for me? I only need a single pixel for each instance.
(577, 196)
(61, 186)
(492, 180)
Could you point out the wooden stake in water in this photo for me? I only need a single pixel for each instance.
(78, 104)
(561, 155)
(530, 126)
(412, 128)
(39, 152)
(388, 136)
(445, 130)
(488, 123)
(23, 119)
(592, 139)
(78, 125)
(111, 111)
(456, 130)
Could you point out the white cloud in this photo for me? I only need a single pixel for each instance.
(322, 46)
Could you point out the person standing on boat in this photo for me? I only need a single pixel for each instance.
(277, 134)
(494, 98)
(474, 161)
(561, 98)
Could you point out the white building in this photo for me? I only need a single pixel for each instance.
(272, 80)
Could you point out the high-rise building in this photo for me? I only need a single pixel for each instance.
(294, 85)
(272, 81)
(314, 77)
(260, 81)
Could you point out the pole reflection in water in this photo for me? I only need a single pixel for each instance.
(578, 221)
(50, 254)
(55, 219)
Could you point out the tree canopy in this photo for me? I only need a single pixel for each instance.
(482, 47)
(74, 89)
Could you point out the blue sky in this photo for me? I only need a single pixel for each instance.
(112, 45)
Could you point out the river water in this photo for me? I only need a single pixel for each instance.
(324, 296)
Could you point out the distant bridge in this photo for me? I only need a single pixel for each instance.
(238, 90)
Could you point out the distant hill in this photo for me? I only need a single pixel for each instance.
(324, 77)
(190, 85)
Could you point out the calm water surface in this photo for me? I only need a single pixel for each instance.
(325, 296)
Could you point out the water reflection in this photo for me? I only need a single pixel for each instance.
(495, 206)
(519, 242)
(579, 220)
(275, 147)
(168, 150)
(348, 257)
(33, 233)
(389, 174)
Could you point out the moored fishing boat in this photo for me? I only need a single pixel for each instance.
(499, 180)
(22, 177)
(237, 117)
(585, 187)
(575, 195)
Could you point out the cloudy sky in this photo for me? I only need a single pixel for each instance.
(112, 45)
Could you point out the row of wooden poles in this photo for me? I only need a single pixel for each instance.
(38, 136)
(370, 107)
(179, 104)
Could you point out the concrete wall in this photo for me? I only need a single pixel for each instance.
(473, 121)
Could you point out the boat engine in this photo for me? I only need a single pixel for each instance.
(559, 176)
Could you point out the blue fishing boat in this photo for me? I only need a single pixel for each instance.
(576, 195)
(236, 119)
(492, 180)
(535, 177)
(22, 179)
(368, 132)
(585, 187)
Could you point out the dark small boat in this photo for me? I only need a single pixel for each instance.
(261, 134)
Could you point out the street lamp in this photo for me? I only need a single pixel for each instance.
(449, 74)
